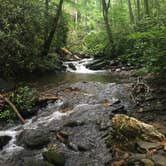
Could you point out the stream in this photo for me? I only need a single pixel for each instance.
(75, 125)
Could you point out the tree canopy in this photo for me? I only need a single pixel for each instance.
(30, 31)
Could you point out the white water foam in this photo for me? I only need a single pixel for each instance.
(80, 66)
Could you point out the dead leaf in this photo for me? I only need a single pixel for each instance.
(106, 103)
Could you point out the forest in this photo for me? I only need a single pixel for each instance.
(82, 82)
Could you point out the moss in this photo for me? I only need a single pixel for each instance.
(54, 158)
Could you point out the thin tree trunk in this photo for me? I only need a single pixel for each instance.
(46, 18)
(146, 6)
(138, 10)
(50, 37)
(105, 7)
(76, 15)
(130, 12)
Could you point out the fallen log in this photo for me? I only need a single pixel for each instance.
(46, 98)
(69, 53)
(13, 108)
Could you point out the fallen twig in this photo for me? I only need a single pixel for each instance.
(13, 108)
(46, 98)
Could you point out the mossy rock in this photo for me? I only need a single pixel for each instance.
(54, 158)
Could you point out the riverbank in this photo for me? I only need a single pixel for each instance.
(78, 125)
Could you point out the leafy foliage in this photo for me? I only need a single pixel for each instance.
(24, 98)
(22, 34)
(146, 48)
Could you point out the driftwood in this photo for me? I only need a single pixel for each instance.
(46, 98)
(69, 53)
(13, 108)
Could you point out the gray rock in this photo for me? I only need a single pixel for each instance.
(144, 146)
(147, 162)
(159, 159)
(34, 138)
(72, 66)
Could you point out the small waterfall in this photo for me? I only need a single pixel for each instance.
(80, 66)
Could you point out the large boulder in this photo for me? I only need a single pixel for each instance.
(34, 138)
(131, 127)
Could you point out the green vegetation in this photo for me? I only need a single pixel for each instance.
(23, 26)
(24, 98)
(132, 30)
(54, 158)
(32, 31)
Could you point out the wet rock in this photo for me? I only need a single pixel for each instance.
(73, 146)
(137, 156)
(118, 70)
(38, 163)
(83, 147)
(74, 123)
(72, 66)
(132, 128)
(147, 162)
(29, 113)
(97, 65)
(104, 125)
(135, 163)
(118, 109)
(34, 138)
(159, 159)
(54, 158)
(144, 146)
(4, 140)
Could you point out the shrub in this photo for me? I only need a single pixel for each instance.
(24, 98)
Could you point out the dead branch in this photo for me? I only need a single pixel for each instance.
(46, 98)
(13, 108)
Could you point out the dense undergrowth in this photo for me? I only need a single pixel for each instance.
(24, 98)
(22, 33)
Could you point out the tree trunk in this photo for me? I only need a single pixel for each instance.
(130, 12)
(138, 10)
(146, 6)
(76, 15)
(105, 6)
(46, 18)
(50, 37)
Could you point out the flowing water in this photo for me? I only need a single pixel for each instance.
(51, 113)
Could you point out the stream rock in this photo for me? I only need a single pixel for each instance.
(72, 66)
(34, 138)
(131, 127)
(38, 163)
(98, 65)
(54, 158)
(4, 140)
(159, 159)
(144, 146)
